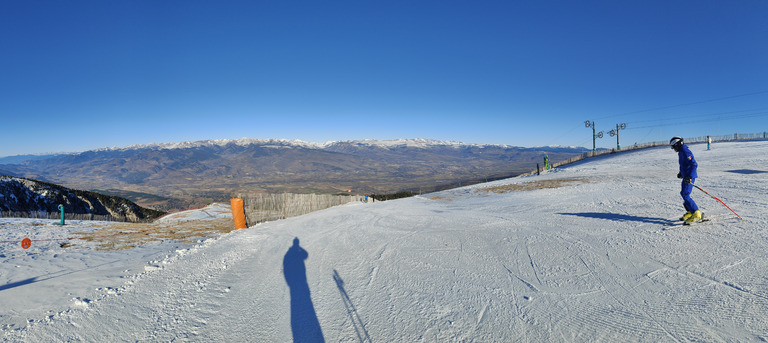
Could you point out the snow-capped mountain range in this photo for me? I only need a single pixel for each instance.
(391, 143)
(214, 170)
(411, 143)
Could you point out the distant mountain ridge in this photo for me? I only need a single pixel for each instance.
(23, 158)
(195, 173)
(26, 196)
(413, 143)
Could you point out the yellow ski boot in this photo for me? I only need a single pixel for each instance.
(696, 216)
(686, 216)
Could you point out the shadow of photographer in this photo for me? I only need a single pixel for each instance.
(304, 323)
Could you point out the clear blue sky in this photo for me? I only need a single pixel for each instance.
(80, 75)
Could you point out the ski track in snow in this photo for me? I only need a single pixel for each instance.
(588, 261)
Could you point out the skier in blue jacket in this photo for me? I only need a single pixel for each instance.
(687, 172)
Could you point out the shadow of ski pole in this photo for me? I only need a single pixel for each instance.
(362, 333)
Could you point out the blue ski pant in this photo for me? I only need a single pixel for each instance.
(688, 202)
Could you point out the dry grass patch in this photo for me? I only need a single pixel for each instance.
(129, 235)
(534, 185)
(439, 197)
(13, 225)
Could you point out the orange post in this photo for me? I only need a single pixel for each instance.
(238, 213)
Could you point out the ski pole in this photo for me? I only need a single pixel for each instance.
(714, 197)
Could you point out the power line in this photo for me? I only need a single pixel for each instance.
(700, 119)
(740, 114)
(718, 115)
(685, 104)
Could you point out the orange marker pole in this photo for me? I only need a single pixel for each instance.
(238, 213)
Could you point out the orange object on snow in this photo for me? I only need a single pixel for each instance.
(238, 213)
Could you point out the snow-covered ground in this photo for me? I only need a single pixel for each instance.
(582, 253)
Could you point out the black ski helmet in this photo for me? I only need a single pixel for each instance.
(675, 143)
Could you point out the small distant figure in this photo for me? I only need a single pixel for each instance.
(373, 197)
(688, 173)
(366, 198)
(709, 143)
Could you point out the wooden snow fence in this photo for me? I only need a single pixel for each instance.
(261, 208)
(70, 216)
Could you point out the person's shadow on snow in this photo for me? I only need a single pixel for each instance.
(304, 323)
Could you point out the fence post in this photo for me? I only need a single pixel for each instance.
(61, 208)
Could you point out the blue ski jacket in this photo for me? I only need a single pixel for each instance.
(688, 164)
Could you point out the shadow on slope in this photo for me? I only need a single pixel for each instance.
(621, 217)
(49, 276)
(362, 333)
(304, 323)
(746, 171)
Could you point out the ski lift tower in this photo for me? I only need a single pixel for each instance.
(615, 132)
(594, 135)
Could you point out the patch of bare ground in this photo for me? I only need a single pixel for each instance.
(440, 198)
(129, 235)
(534, 185)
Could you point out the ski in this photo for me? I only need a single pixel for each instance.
(703, 219)
(682, 225)
(679, 224)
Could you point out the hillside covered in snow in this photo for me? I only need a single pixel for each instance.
(588, 252)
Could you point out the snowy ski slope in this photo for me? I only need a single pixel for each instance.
(583, 253)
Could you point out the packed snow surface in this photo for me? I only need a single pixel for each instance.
(588, 252)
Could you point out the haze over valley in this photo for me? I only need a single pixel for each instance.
(189, 174)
